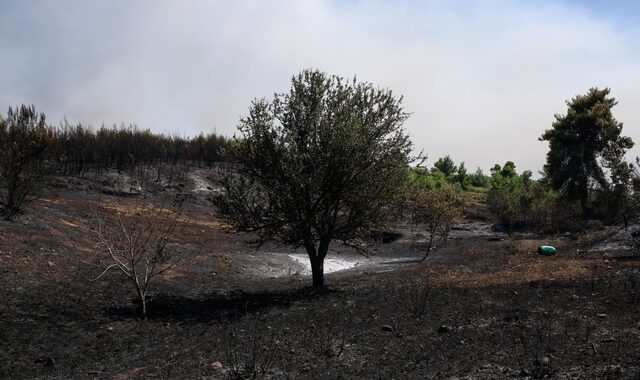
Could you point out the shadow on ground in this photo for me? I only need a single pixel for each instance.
(231, 306)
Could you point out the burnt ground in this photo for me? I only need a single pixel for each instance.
(484, 307)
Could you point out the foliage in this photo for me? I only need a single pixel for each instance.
(321, 163)
(461, 178)
(514, 199)
(23, 140)
(433, 179)
(445, 172)
(446, 166)
(583, 145)
(479, 179)
(437, 209)
(503, 204)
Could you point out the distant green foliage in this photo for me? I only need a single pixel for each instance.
(479, 179)
(446, 172)
(517, 201)
(419, 177)
(446, 166)
(504, 197)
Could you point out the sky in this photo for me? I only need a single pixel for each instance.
(481, 79)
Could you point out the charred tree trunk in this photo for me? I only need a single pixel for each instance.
(428, 247)
(317, 271)
(317, 261)
(142, 298)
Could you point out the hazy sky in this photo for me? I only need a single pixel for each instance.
(482, 79)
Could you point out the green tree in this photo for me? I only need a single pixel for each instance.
(479, 179)
(508, 198)
(583, 143)
(446, 166)
(323, 162)
(461, 177)
(508, 170)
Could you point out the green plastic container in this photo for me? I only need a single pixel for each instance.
(547, 250)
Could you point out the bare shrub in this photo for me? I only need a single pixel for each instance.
(141, 244)
(252, 353)
(416, 298)
(538, 337)
(331, 335)
(438, 209)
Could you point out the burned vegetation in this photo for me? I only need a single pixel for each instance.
(313, 245)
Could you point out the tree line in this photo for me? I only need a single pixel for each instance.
(77, 148)
(330, 160)
(31, 149)
(586, 175)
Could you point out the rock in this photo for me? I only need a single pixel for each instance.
(387, 328)
(217, 365)
(444, 329)
(46, 362)
(544, 361)
(51, 264)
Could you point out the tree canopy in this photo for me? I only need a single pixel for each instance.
(323, 162)
(446, 166)
(584, 144)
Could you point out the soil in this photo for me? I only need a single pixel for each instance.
(482, 307)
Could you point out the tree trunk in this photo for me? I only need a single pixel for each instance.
(10, 201)
(143, 304)
(317, 261)
(428, 247)
(317, 271)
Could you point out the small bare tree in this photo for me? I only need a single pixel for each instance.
(438, 209)
(141, 244)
